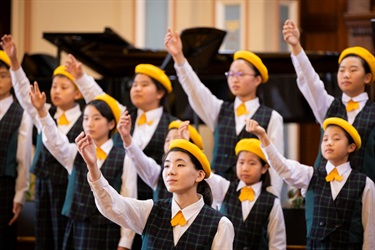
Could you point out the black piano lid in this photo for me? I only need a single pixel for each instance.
(107, 53)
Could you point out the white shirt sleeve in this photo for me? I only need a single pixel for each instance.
(90, 89)
(146, 167)
(219, 187)
(203, 102)
(294, 173)
(57, 143)
(311, 86)
(24, 158)
(276, 227)
(368, 218)
(126, 212)
(21, 86)
(275, 132)
(224, 236)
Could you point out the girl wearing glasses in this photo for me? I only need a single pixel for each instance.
(246, 73)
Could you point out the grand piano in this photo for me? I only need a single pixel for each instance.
(115, 58)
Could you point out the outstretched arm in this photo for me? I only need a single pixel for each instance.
(173, 45)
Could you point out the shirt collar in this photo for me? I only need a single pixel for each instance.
(342, 169)
(151, 115)
(107, 146)
(188, 211)
(250, 105)
(363, 97)
(257, 187)
(70, 114)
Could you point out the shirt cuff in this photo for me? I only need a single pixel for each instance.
(20, 197)
(126, 242)
(98, 184)
(46, 121)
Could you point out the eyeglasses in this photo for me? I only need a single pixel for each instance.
(237, 74)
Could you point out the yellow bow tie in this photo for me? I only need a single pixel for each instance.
(142, 120)
(241, 110)
(334, 175)
(247, 193)
(62, 120)
(178, 219)
(100, 154)
(352, 105)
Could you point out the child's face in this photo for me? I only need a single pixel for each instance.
(335, 145)
(144, 94)
(244, 86)
(351, 76)
(64, 93)
(5, 83)
(96, 125)
(172, 135)
(249, 168)
(179, 174)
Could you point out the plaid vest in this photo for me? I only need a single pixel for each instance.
(44, 164)
(158, 232)
(225, 138)
(337, 221)
(251, 233)
(82, 200)
(365, 124)
(9, 125)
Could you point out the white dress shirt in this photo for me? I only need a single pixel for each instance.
(23, 154)
(208, 107)
(132, 213)
(313, 90)
(300, 175)
(276, 226)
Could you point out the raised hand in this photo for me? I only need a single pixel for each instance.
(173, 45)
(74, 67)
(9, 48)
(87, 149)
(38, 99)
(123, 127)
(253, 126)
(291, 33)
(183, 130)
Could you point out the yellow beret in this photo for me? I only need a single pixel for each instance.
(251, 145)
(61, 70)
(346, 126)
(194, 134)
(255, 61)
(112, 103)
(4, 57)
(156, 73)
(362, 53)
(194, 150)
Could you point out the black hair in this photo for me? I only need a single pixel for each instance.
(105, 111)
(4, 65)
(203, 188)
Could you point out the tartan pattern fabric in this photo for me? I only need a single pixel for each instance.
(83, 235)
(49, 222)
(337, 221)
(251, 233)
(158, 232)
(46, 166)
(83, 207)
(365, 124)
(9, 125)
(225, 138)
(8, 234)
